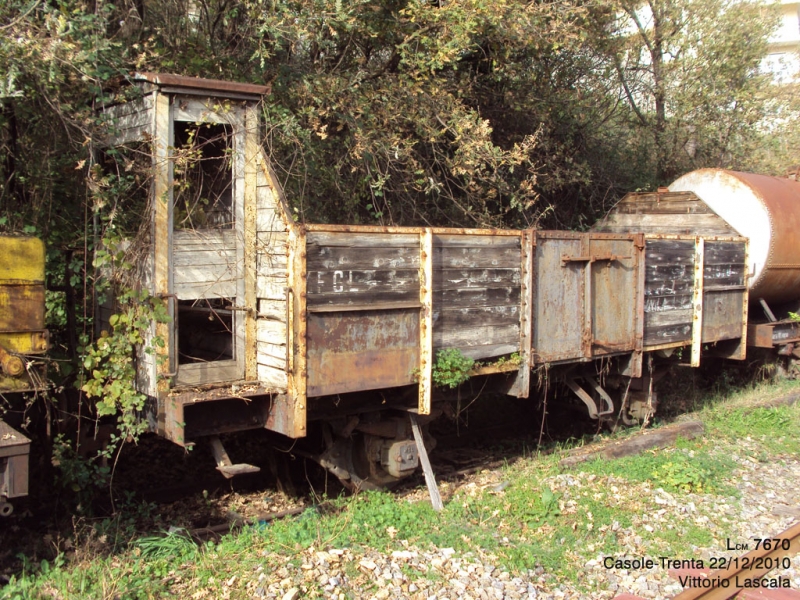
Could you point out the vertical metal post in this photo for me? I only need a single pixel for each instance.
(425, 320)
(697, 301)
(742, 350)
(521, 386)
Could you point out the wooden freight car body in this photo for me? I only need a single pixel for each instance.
(696, 270)
(277, 324)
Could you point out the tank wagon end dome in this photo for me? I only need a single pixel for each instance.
(764, 209)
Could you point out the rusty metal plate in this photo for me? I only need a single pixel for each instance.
(21, 308)
(361, 350)
(558, 299)
(614, 295)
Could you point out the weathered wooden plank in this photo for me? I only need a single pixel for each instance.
(708, 224)
(190, 290)
(475, 316)
(274, 362)
(272, 259)
(671, 252)
(267, 217)
(361, 283)
(351, 257)
(477, 297)
(271, 332)
(270, 376)
(325, 258)
(453, 279)
(489, 351)
(670, 207)
(498, 257)
(271, 288)
(730, 256)
(668, 287)
(476, 336)
(145, 102)
(278, 241)
(724, 275)
(469, 241)
(272, 309)
(647, 439)
(668, 317)
(195, 109)
(272, 271)
(166, 359)
(722, 315)
(658, 304)
(361, 240)
(427, 333)
(654, 336)
(209, 273)
(188, 240)
(333, 299)
(129, 135)
(182, 257)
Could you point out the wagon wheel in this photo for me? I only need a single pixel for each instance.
(353, 461)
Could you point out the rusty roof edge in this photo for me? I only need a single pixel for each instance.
(198, 83)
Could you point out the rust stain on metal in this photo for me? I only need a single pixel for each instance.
(198, 83)
(362, 350)
(313, 227)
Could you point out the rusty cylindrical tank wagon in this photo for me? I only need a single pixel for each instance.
(767, 211)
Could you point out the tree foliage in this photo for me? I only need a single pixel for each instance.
(468, 113)
(691, 75)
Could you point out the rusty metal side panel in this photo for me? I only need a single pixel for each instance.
(362, 350)
(614, 295)
(760, 335)
(558, 298)
(21, 307)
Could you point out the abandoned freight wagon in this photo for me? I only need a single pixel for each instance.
(278, 325)
(272, 322)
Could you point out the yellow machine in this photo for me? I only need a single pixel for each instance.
(23, 339)
(22, 332)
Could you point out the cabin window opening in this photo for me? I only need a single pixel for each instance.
(205, 330)
(203, 176)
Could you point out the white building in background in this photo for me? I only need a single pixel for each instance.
(784, 48)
